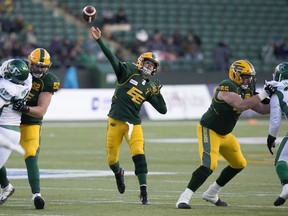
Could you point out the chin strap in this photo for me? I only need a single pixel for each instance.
(144, 70)
(244, 86)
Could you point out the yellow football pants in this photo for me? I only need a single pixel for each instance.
(30, 139)
(133, 135)
(211, 144)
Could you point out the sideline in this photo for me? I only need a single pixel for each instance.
(241, 140)
(15, 173)
(145, 122)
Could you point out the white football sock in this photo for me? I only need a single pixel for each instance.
(284, 193)
(185, 196)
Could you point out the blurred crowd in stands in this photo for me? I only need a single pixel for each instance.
(18, 39)
(276, 49)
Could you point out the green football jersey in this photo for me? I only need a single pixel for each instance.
(131, 92)
(48, 83)
(221, 117)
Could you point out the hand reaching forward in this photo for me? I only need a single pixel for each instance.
(95, 32)
(271, 143)
(155, 87)
(270, 90)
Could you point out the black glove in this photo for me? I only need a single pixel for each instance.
(155, 87)
(271, 143)
(20, 105)
(270, 90)
(266, 101)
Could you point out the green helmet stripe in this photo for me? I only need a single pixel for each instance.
(42, 55)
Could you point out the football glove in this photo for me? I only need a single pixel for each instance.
(155, 87)
(270, 90)
(266, 101)
(20, 105)
(271, 143)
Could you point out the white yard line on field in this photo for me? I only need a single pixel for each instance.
(144, 123)
(241, 140)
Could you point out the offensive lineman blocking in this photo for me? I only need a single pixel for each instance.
(44, 84)
(214, 132)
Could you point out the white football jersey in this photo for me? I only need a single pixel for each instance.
(9, 92)
(278, 107)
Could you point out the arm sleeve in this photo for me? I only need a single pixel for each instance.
(158, 102)
(114, 61)
(275, 116)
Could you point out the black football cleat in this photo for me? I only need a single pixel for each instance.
(220, 203)
(183, 206)
(120, 181)
(279, 201)
(144, 199)
(38, 201)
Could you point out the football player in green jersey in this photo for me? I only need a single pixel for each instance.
(132, 90)
(214, 131)
(44, 84)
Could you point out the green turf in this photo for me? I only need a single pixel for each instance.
(81, 146)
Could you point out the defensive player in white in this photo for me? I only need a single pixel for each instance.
(15, 84)
(279, 107)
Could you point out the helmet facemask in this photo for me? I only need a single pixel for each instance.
(147, 63)
(38, 70)
(246, 84)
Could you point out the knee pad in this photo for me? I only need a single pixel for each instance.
(140, 164)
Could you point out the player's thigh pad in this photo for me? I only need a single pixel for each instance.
(115, 132)
(231, 151)
(136, 141)
(30, 139)
(208, 144)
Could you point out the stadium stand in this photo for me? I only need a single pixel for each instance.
(245, 26)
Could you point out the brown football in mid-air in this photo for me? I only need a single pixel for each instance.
(89, 13)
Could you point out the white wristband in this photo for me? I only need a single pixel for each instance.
(262, 95)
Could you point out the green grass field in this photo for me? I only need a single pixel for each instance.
(172, 155)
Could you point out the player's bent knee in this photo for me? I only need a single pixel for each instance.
(240, 165)
(243, 164)
(29, 152)
(112, 160)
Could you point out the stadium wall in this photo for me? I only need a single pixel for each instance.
(105, 78)
(184, 102)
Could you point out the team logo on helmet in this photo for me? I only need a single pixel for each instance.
(240, 68)
(281, 72)
(16, 71)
